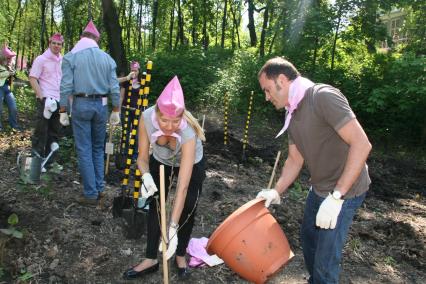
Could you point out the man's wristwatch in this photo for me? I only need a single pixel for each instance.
(337, 195)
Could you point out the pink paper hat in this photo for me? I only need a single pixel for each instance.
(171, 101)
(91, 28)
(134, 65)
(56, 37)
(7, 52)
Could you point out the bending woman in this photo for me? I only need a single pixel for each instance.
(175, 137)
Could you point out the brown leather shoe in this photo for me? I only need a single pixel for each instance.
(87, 201)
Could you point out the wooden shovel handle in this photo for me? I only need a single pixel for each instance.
(273, 171)
(109, 141)
(163, 224)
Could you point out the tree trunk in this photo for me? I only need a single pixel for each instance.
(251, 26)
(123, 6)
(222, 41)
(18, 44)
(68, 31)
(89, 10)
(154, 23)
(43, 24)
(172, 20)
(139, 27)
(314, 59)
(236, 23)
(336, 34)
(113, 30)
(272, 42)
(264, 27)
(205, 36)
(179, 36)
(216, 23)
(129, 26)
(12, 26)
(52, 18)
(194, 25)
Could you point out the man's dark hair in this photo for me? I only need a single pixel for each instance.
(276, 66)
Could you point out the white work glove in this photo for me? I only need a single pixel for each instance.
(148, 186)
(64, 119)
(172, 242)
(114, 118)
(271, 196)
(328, 212)
(130, 76)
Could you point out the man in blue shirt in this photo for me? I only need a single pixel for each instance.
(89, 76)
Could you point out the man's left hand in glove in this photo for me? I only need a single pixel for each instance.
(329, 212)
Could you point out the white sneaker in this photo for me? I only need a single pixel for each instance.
(43, 170)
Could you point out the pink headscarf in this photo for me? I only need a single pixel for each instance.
(134, 65)
(171, 101)
(296, 93)
(154, 136)
(56, 37)
(91, 28)
(7, 52)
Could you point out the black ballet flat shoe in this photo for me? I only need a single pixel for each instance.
(133, 274)
(182, 273)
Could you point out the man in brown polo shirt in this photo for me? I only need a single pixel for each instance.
(325, 134)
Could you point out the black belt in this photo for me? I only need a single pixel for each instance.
(91, 96)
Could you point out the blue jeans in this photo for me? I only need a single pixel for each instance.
(9, 98)
(322, 248)
(89, 118)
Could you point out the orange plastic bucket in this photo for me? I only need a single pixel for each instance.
(251, 242)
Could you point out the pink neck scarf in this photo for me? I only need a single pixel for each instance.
(296, 93)
(84, 43)
(159, 132)
(49, 55)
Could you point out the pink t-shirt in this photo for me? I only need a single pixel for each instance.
(46, 69)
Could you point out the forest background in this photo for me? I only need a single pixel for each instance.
(217, 47)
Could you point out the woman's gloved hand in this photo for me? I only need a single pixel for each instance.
(172, 242)
(149, 187)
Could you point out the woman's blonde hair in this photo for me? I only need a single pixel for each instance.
(195, 125)
(191, 121)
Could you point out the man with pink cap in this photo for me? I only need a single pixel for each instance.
(89, 76)
(6, 72)
(175, 138)
(45, 79)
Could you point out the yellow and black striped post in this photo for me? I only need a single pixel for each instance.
(246, 130)
(225, 118)
(142, 101)
(126, 126)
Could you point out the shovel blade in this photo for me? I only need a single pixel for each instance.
(121, 203)
(135, 225)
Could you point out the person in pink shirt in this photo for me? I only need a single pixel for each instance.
(45, 79)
